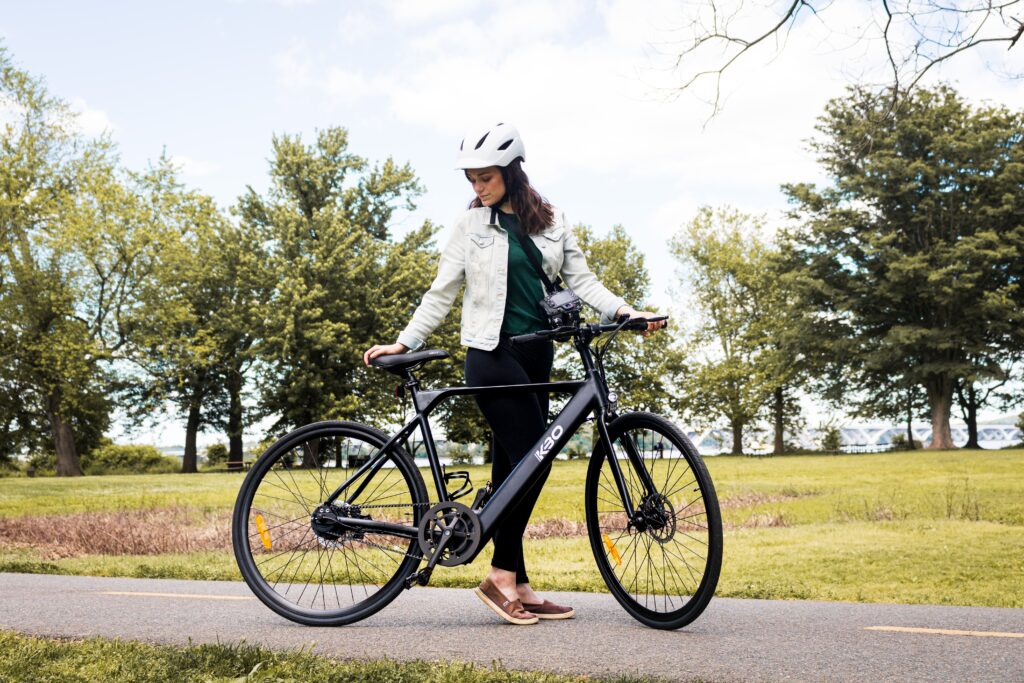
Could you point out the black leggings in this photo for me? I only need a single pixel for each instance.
(517, 423)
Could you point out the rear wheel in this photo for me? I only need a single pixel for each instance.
(661, 564)
(295, 551)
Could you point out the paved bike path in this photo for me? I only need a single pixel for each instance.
(735, 640)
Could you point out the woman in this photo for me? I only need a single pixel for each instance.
(486, 249)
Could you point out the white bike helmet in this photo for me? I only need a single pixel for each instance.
(497, 145)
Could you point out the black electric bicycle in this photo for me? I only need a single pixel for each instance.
(334, 520)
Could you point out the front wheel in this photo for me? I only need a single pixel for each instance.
(662, 563)
(296, 551)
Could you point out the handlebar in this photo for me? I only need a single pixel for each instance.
(624, 323)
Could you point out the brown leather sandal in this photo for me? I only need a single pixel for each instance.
(510, 610)
(549, 610)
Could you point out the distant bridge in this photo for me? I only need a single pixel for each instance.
(856, 438)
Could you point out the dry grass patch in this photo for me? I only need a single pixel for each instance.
(124, 532)
(179, 530)
(556, 528)
(750, 498)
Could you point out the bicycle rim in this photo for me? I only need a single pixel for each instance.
(320, 575)
(663, 565)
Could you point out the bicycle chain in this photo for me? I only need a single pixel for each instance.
(391, 505)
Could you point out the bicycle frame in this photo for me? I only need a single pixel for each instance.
(589, 395)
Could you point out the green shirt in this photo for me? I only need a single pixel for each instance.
(522, 315)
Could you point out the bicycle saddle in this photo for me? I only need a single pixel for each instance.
(400, 362)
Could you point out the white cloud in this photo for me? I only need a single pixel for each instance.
(357, 27)
(419, 11)
(91, 121)
(298, 68)
(293, 66)
(195, 168)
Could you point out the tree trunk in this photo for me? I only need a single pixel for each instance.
(235, 454)
(489, 448)
(188, 463)
(910, 419)
(969, 407)
(68, 464)
(737, 437)
(779, 410)
(940, 401)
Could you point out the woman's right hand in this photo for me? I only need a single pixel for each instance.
(386, 350)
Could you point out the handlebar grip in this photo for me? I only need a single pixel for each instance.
(523, 338)
(641, 323)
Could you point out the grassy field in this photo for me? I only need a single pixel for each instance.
(921, 527)
(28, 658)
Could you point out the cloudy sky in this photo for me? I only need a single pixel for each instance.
(589, 84)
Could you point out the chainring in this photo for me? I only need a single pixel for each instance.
(463, 526)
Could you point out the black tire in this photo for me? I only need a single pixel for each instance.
(665, 574)
(298, 570)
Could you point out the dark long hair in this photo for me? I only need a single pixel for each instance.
(534, 212)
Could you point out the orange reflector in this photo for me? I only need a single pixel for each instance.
(261, 527)
(612, 549)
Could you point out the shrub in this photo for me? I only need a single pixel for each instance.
(460, 454)
(9, 467)
(43, 462)
(831, 440)
(216, 454)
(112, 458)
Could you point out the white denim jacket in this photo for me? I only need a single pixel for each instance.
(476, 251)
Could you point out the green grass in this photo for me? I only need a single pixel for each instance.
(28, 658)
(923, 527)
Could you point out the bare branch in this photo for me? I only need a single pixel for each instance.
(917, 34)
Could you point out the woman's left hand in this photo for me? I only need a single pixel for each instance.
(633, 313)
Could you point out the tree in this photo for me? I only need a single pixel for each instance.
(971, 396)
(637, 367)
(174, 335)
(340, 282)
(913, 35)
(73, 246)
(730, 368)
(244, 277)
(913, 258)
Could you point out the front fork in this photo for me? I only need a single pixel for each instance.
(637, 462)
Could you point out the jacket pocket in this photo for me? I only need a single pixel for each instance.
(482, 241)
(554, 235)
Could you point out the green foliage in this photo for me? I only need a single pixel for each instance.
(734, 360)
(216, 454)
(460, 454)
(340, 283)
(111, 458)
(831, 439)
(185, 329)
(911, 261)
(76, 239)
(42, 462)
(637, 366)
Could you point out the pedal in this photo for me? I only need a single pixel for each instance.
(422, 577)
